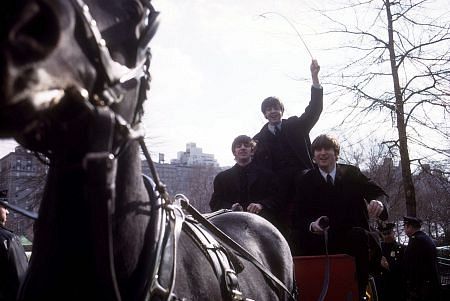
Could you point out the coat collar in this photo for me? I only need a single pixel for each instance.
(251, 170)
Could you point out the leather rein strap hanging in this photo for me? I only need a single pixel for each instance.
(219, 259)
(100, 163)
(232, 244)
(100, 168)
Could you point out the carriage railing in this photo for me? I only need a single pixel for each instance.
(444, 270)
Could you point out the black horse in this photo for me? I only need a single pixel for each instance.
(73, 77)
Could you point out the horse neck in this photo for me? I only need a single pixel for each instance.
(64, 231)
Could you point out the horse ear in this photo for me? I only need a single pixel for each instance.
(148, 31)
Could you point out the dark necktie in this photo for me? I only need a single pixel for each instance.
(329, 180)
(277, 131)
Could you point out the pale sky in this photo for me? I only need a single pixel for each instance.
(214, 61)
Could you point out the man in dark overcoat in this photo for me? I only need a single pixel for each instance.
(420, 264)
(284, 144)
(13, 261)
(246, 186)
(389, 282)
(344, 195)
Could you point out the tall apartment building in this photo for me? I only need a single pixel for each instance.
(194, 181)
(22, 179)
(194, 156)
(23, 176)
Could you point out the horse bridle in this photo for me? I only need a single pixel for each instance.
(111, 74)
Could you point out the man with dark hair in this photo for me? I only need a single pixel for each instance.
(389, 278)
(420, 263)
(13, 261)
(284, 144)
(345, 198)
(246, 186)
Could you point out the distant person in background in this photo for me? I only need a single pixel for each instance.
(13, 261)
(389, 280)
(420, 264)
(284, 144)
(246, 186)
(348, 199)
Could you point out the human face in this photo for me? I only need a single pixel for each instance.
(325, 159)
(243, 153)
(388, 236)
(3, 215)
(409, 229)
(273, 114)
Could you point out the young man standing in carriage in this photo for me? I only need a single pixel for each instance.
(246, 186)
(284, 144)
(13, 261)
(344, 195)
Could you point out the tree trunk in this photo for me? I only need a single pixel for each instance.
(408, 185)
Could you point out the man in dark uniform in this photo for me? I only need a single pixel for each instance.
(246, 186)
(344, 195)
(284, 144)
(389, 279)
(13, 261)
(420, 264)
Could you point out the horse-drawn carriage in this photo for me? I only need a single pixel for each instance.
(74, 75)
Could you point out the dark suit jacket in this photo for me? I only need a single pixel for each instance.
(420, 268)
(296, 130)
(13, 264)
(345, 204)
(262, 188)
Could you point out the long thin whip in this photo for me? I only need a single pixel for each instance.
(293, 27)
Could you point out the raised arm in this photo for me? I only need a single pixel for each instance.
(315, 68)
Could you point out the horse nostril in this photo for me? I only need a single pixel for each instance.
(35, 33)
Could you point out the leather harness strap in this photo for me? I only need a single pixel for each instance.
(100, 168)
(217, 255)
(232, 244)
(167, 255)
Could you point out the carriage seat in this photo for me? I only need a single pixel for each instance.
(309, 274)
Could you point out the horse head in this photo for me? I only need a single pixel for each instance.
(73, 77)
(58, 57)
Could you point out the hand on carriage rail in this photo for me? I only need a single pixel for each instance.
(320, 225)
(375, 208)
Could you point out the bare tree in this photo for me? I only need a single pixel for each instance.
(433, 200)
(405, 43)
(201, 186)
(376, 161)
(431, 183)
